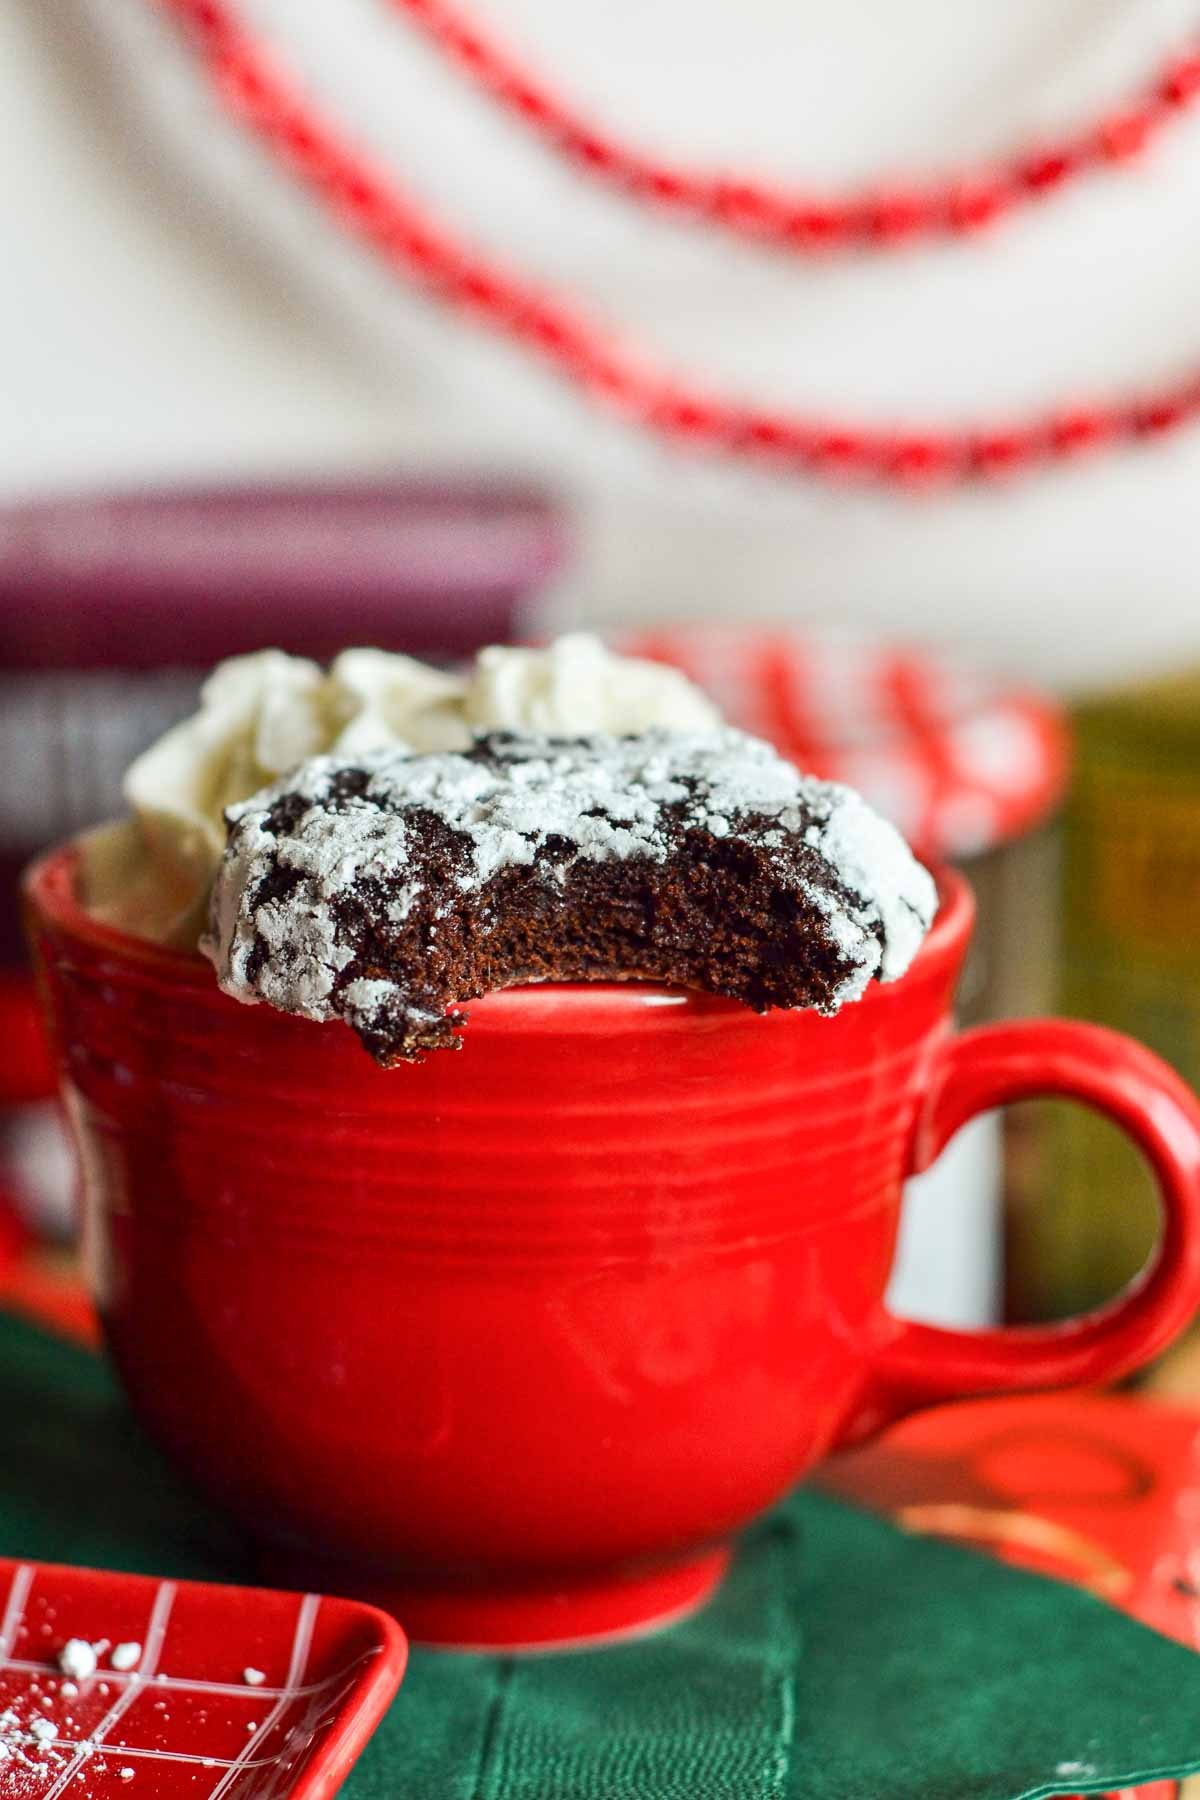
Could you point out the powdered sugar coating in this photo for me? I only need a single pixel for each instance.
(300, 849)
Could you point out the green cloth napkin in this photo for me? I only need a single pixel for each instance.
(842, 1660)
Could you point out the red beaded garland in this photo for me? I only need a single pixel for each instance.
(854, 221)
(366, 202)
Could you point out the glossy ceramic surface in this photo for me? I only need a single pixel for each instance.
(515, 1339)
(184, 1721)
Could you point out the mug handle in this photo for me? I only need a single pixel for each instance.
(990, 1066)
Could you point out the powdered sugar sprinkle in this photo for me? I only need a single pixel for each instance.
(603, 797)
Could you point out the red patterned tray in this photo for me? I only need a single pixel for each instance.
(186, 1720)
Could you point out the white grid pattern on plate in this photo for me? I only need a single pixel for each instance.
(324, 1698)
(301, 1642)
(160, 1612)
(14, 1608)
(327, 1696)
(302, 1735)
(181, 1684)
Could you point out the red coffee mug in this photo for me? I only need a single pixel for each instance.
(515, 1340)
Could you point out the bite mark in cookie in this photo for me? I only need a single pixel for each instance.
(386, 888)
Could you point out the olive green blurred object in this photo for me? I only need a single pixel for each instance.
(1131, 960)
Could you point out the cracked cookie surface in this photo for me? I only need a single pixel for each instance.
(384, 888)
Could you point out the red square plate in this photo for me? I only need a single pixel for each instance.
(186, 1721)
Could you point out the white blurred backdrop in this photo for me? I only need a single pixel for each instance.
(170, 308)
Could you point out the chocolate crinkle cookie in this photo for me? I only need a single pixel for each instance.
(385, 888)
